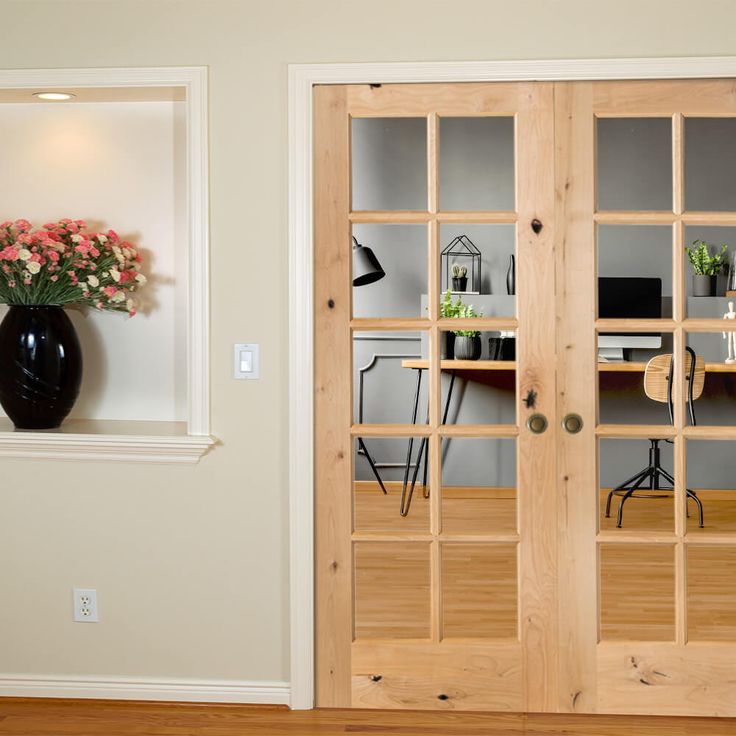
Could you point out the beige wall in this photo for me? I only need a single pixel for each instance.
(191, 563)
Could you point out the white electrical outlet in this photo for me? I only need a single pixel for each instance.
(85, 605)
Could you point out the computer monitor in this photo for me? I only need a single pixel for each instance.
(628, 298)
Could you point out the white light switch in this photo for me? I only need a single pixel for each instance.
(247, 364)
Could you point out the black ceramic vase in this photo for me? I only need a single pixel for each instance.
(40, 366)
(511, 276)
(467, 347)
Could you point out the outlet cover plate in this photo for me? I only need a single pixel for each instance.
(85, 605)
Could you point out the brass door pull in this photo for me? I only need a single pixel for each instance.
(572, 423)
(537, 423)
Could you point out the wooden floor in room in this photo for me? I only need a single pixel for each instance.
(35, 717)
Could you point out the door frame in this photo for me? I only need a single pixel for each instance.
(302, 78)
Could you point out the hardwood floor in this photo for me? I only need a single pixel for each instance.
(36, 717)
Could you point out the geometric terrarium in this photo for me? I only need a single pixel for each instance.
(461, 266)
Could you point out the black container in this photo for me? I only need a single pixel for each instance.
(467, 348)
(501, 348)
(459, 283)
(40, 366)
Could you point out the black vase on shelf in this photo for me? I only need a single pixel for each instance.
(40, 366)
(511, 276)
(467, 347)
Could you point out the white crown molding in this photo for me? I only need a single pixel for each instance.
(142, 688)
(302, 77)
(191, 447)
(513, 70)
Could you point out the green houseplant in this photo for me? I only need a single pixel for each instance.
(466, 344)
(706, 264)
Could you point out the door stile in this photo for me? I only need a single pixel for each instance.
(332, 399)
(576, 393)
(536, 392)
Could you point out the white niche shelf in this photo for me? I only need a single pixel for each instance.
(128, 152)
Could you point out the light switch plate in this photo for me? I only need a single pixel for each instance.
(246, 361)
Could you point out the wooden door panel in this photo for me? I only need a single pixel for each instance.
(444, 596)
(486, 676)
(633, 599)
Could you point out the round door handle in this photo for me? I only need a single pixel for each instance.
(537, 423)
(572, 423)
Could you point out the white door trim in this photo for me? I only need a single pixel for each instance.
(302, 77)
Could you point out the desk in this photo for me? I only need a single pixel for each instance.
(510, 365)
(464, 366)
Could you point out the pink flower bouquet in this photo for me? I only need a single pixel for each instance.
(61, 265)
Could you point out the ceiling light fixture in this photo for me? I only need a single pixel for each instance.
(56, 96)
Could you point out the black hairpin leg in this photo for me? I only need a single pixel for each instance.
(423, 453)
(371, 462)
(406, 502)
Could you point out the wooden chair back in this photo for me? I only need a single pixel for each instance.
(657, 374)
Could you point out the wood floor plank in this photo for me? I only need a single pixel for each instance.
(46, 717)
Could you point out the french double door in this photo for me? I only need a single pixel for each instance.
(464, 558)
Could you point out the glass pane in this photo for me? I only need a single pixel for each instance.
(392, 590)
(710, 162)
(637, 592)
(380, 464)
(635, 268)
(486, 253)
(389, 163)
(631, 390)
(390, 377)
(482, 389)
(701, 289)
(478, 486)
(715, 390)
(477, 163)
(636, 485)
(710, 477)
(479, 590)
(711, 593)
(634, 164)
(400, 251)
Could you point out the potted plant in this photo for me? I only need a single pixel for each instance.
(41, 272)
(706, 267)
(448, 310)
(459, 277)
(467, 342)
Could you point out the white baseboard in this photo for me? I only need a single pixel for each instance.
(143, 688)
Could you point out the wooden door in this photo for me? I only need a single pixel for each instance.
(453, 605)
(521, 593)
(647, 621)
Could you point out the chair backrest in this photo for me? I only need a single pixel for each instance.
(657, 377)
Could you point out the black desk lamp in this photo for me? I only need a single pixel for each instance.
(366, 268)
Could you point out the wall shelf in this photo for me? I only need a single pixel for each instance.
(84, 439)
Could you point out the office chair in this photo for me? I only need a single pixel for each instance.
(658, 387)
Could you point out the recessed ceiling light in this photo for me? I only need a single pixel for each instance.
(58, 96)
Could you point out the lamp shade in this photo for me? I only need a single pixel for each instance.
(366, 268)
